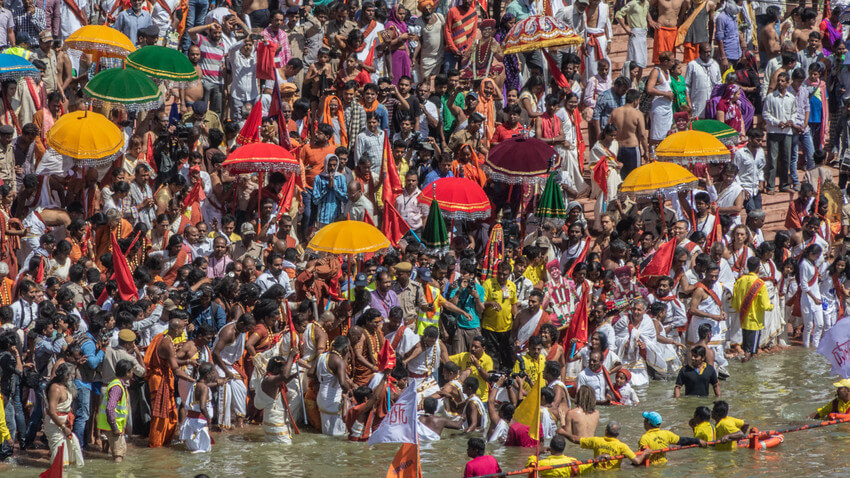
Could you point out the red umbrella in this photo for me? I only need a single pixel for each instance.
(261, 158)
(459, 198)
(521, 161)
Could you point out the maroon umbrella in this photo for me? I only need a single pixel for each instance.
(521, 161)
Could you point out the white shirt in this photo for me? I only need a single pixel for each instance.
(700, 78)
(594, 380)
(244, 85)
(267, 280)
(750, 169)
(779, 108)
(25, 313)
(372, 145)
(411, 209)
(70, 23)
(160, 16)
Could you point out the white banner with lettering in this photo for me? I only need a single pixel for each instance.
(399, 426)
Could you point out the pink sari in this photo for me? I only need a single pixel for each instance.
(733, 116)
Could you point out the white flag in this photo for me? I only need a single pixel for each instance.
(835, 346)
(399, 426)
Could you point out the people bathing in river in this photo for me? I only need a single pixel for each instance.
(840, 404)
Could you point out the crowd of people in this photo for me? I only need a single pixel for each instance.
(162, 296)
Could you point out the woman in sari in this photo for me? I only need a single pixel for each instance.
(747, 77)
(511, 62)
(728, 110)
(605, 150)
(832, 31)
(10, 231)
(396, 28)
(742, 103)
(572, 166)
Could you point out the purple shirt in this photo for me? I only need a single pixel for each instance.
(383, 303)
(114, 397)
(803, 107)
(216, 267)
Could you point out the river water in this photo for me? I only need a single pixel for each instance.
(771, 392)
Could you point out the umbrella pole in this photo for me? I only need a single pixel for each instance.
(259, 203)
(350, 287)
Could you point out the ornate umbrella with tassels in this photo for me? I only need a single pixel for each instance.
(551, 203)
(435, 236)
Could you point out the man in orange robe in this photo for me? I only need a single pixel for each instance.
(162, 366)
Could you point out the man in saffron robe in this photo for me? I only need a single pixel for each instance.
(162, 366)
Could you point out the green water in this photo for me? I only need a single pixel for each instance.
(775, 391)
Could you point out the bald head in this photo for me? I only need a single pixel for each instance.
(612, 429)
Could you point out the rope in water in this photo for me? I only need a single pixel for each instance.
(836, 419)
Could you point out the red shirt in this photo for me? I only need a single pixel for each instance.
(503, 133)
(482, 465)
(518, 436)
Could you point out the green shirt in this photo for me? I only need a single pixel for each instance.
(447, 116)
(635, 13)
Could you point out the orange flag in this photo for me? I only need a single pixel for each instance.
(123, 274)
(55, 470)
(393, 225)
(406, 463)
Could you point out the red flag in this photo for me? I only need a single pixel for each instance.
(386, 357)
(276, 112)
(55, 470)
(393, 225)
(559, 77)
(265, 60)
(579, 259)
(367, 218)
(250, 132)
(293, 334)
(123, 275)
(406, 463)
(39, 275)
(196, 194)
(600, 174)
(286, 194)
(149, 155)
(578, 326)
(660, 263)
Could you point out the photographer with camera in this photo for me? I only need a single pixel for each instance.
(466, 294)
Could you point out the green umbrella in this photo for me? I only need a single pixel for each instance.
(163, 63)
(129, 88)
(435, 235)
(551, 203)
(718, 129)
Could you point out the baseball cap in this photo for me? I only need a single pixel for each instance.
(247, 228)
(654, 418)
(424, 274)
(169, 305)
(45, 36)
(361, 280)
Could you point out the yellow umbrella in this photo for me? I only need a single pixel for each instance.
(349, 237)
(687, 147)
(87, 137)
(100, 40)
(657, 178)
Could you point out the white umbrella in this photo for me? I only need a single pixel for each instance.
(835, 346)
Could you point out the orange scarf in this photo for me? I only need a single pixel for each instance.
(487, 108)
(340, 116)
(371, 108)
(470, 170)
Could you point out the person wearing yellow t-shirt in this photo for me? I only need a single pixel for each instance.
(658, 439)
(750, 299)
(500, 307)
(841, 402)
(478, 363)
(608, 445)
(532, 363)
(556, 446)
(729, 429)
(701, 423)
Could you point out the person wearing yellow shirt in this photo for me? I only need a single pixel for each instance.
(500, 307)
(557, 458)
(841, 402)
(532, 363)
(658, 439)
(608, 445)
(729, 429)
(478, 363)
(751, 300)
(701, 423)
(5, 436)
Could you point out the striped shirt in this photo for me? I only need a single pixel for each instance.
(460, 29)
(212, 60)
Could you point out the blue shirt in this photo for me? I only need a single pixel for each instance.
(466, 302)
(727, 32)
(94, 356)
(213, 315)
(434, 175)
(129, 23)
(328, 198)
(605, 104)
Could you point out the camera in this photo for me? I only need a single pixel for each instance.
(416, 142)
(495, 375)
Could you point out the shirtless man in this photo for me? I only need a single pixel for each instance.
(195, 91)
(581, 421)
(670, 16)
(528, 321)
(768, 37)
(800, 37)
(228, 349)
(631, 133)
(258, 12)
(434, 422)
